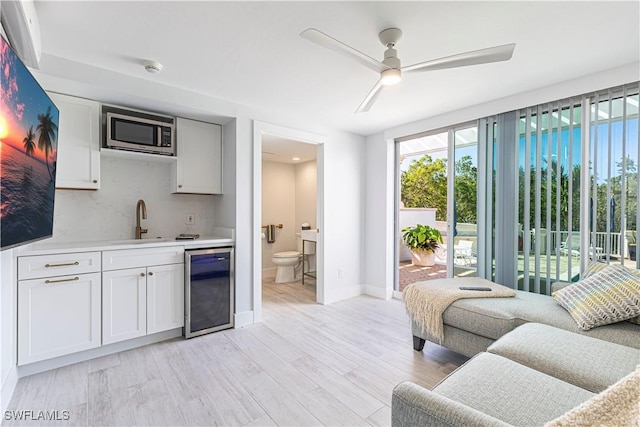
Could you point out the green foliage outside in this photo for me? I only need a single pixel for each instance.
(422, 237)
(560, 176)
(424, 185)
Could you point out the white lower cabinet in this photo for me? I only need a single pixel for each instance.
(58, 316)
(124, 304)
(142, 292)
(70, 302)
(165, 297)
(141, 301)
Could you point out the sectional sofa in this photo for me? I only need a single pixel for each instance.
(530, 362)
(533, 375)
(472, 325)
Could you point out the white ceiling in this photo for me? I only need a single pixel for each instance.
(282, 150)
(251, 52)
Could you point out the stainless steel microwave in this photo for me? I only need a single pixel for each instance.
(140, 134)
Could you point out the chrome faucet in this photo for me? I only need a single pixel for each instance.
(139, 230)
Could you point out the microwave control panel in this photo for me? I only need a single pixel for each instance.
(166, 137)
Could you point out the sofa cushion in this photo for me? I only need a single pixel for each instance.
(610, 296)
(494, 317)
(509, 391)
(588, 363)
(616, 406)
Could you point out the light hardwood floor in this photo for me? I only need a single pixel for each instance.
(305, 364)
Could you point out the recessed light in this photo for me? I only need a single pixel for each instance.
(295, 159)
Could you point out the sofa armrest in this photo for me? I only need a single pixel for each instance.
(413, 405)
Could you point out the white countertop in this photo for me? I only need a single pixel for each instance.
(43, 248)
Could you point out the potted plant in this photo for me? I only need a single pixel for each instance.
(631, 245)
(422, 240)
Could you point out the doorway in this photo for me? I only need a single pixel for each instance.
(278, 146)
(289, 194)
(437, 186)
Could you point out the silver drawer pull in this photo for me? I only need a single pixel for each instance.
(66, 264)
(61, 280)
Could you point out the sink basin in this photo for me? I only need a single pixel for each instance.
(140, 241)
(309, 235)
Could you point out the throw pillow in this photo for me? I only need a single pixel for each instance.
(616, 406)
(596, 267)
(610, 296)
(593, 268)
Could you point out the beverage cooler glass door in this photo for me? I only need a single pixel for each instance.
(209, 291)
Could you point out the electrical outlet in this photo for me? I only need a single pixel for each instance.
(340, 273)
(191, 219)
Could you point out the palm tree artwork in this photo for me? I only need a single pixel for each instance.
(47, 128)
(29, 144)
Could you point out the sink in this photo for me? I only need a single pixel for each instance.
(309, 235)
(140, 241)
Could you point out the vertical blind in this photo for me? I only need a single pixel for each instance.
(577, 191)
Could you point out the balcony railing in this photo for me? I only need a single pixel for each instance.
(559, 239)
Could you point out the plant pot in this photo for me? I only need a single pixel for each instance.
(632, 252)
(423, 258)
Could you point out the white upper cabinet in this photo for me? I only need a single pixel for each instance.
(199, 166)
(78, 164)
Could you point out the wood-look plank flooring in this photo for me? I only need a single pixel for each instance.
(305, 364)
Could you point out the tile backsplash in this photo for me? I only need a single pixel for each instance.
(109, 213)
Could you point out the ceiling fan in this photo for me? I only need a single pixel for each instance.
(390, 69)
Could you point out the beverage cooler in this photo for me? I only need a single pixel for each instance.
(209, 291)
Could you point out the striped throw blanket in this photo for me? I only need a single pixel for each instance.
(426, 301)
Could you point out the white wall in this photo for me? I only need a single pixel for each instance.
(380, 163)
(306, 193)
(379, 217)
(278, 207)
(110, 213)
(344, 200)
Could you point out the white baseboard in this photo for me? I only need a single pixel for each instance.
(58, 362)
(343, 293)
(8, 387)
(397, 295)
(242, 319)
(378, 292)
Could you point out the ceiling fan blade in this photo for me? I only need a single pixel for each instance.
(371, 97)
(475, 57)
(329, 42)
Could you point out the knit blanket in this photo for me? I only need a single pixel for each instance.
(426, 301)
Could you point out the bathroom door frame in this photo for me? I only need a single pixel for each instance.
(260, 129)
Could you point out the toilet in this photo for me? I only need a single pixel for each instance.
(290, 262)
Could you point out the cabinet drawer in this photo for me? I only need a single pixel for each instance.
(131, 258)
(34, 267)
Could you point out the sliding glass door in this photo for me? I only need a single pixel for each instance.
(463, 196)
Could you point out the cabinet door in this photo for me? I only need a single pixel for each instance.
(58, 316)
(165, 297)
(198, 169)
(78, 164)
(124, 304)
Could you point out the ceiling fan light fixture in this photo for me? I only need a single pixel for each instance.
(390, 77)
